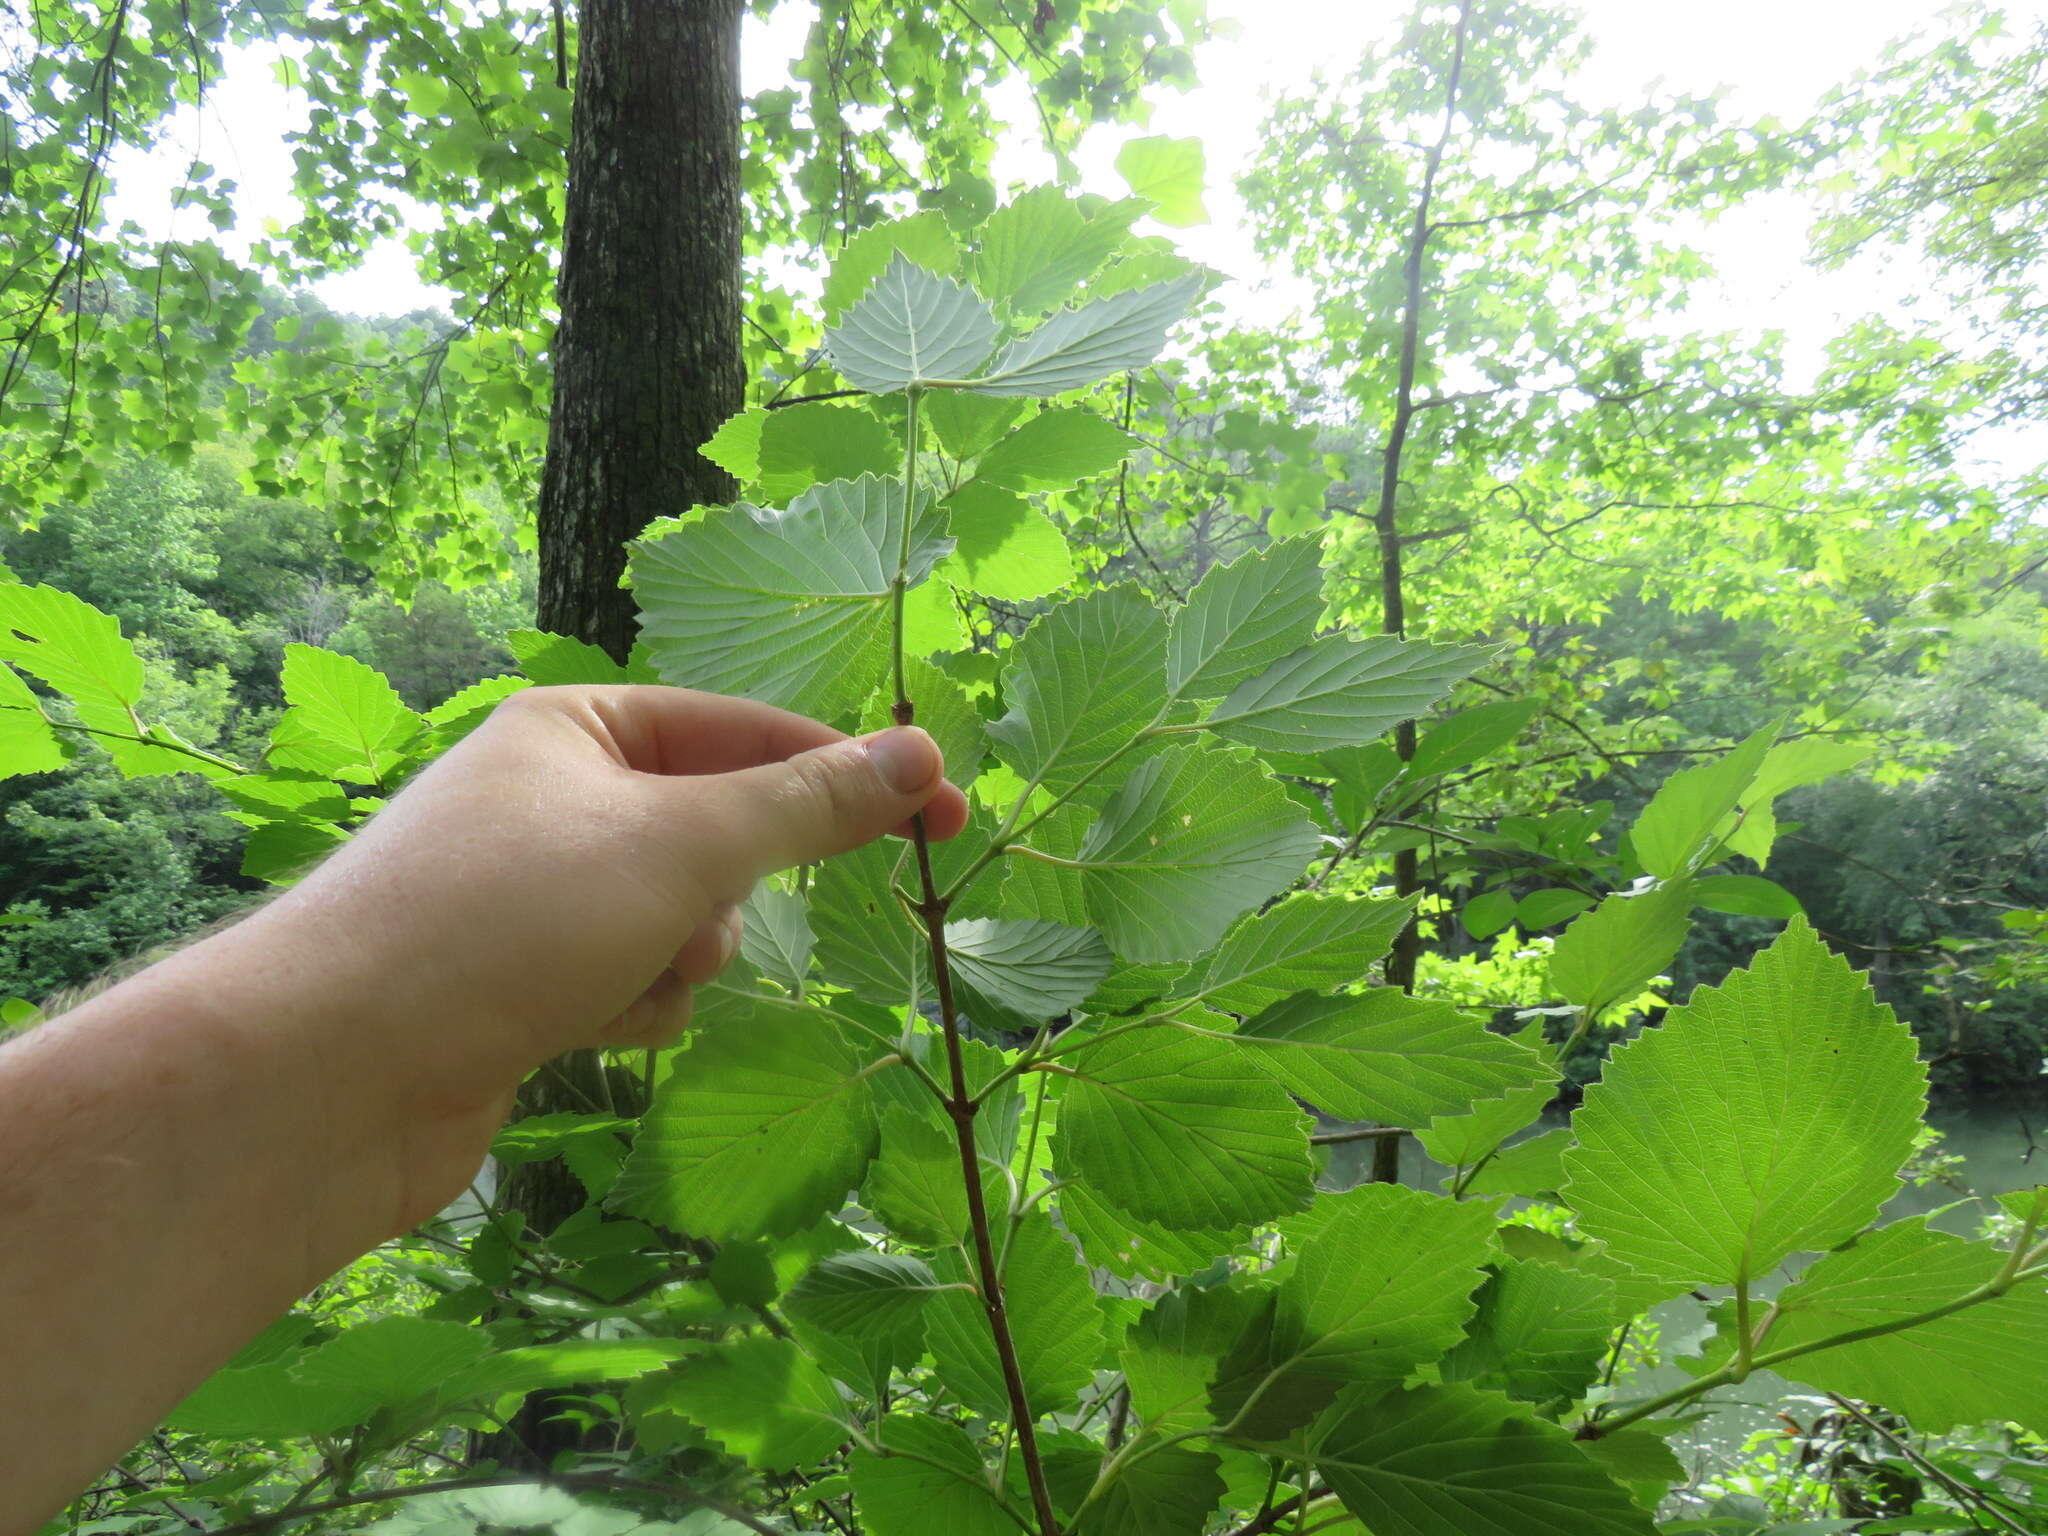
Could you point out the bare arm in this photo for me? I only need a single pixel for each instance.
(184, 1156)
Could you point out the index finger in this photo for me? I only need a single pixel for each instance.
(652, 728)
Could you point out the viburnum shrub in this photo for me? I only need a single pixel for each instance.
(988, 1191)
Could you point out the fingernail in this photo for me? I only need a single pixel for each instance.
(905, 757)
(728, 939)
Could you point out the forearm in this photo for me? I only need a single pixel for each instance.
(180, 1159)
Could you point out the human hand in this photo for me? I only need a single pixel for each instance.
(560, 879)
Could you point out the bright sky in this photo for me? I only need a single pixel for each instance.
(1771, 57)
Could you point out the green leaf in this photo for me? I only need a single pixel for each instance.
(1965, 1368)
(1038, 249)
(67, 643)
(1026, 972)
(1467, 737)
(1243, 617)
(943, 711)
(1172, 1352)
(1082, 681)
(1171, 1492)
(1052, 892)
(1182, 1130)
(1745, 895)
(267, 1402)
(1484, 916)
(1462, 1140)
(27, 744)
(1540, 1335)
(1079, 347)
(1452, 1461)
(866, 942)
(1382, 1283)
(1054, 1320)
(1192, 838)
(1054, 450)
(775, 935)
(1767, 1115)
(930, 1479)
(913, 1186)
(1133, 1249)
(1306, 943)
(1641, 1460)
(799, 446)
(1547, 908)
(394, 1359)
(554, 660)
(1005, 548)
(346, 722)
(1384, 1056)
(1531, 1169)
(867, 1296)
(1167, 173)
(1788, 765)
(791, 608)
(760, 1398)
(923, 238)
(736, 446)
(1340, 692)
(757, 1133)
(909, 328)
(1671, 836)
(969, 425)
(1611, 953)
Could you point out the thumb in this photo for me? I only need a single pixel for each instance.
(824, 801)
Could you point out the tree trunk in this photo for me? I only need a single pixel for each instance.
(647, 360)
(647, 364)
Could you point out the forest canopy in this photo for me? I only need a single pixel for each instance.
(1505, 903)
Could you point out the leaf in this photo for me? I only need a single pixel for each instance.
(791, 608)
(866, 942)
(70, 645)
(1171, 1492)
(911, 327)
(1024, 971)
(1079, 347)
(969, 425)
(736, 446)
(1462, 1140)
(865, 1296)
(913, 1186)
(1745, 895)
(923, 238)
(27, 743)
(1192, 838)
(1005, 548)
(775, 935)
(1182, 1130)
(1242, 617)
(817, 442)
(760, 1398)
(393, 1359)
(758, 1132)
(1054, 1321)
(1052, 892)
(1611, 953)
(1306, 943)
(1039, 248)
(553, 660)
(266, 1402)
(1640, 1459)
(934, 1480)
(462, 712)
(1082, 681)
(1055, 450)
(1452, 1460)
(1133, 1249)
(1382, 1283)
(1340, 692)
(1670, 837)
(1531, 1169)
(943, 711)
(1788, 765)
(1467, 737)
(1384, 1056)
(1172, 1352)
(1484, 916)
(345, 722)
(1965, 1368)
(1540, 1335)
(1767, 1115)
(1167, 173)
(1548, 908)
